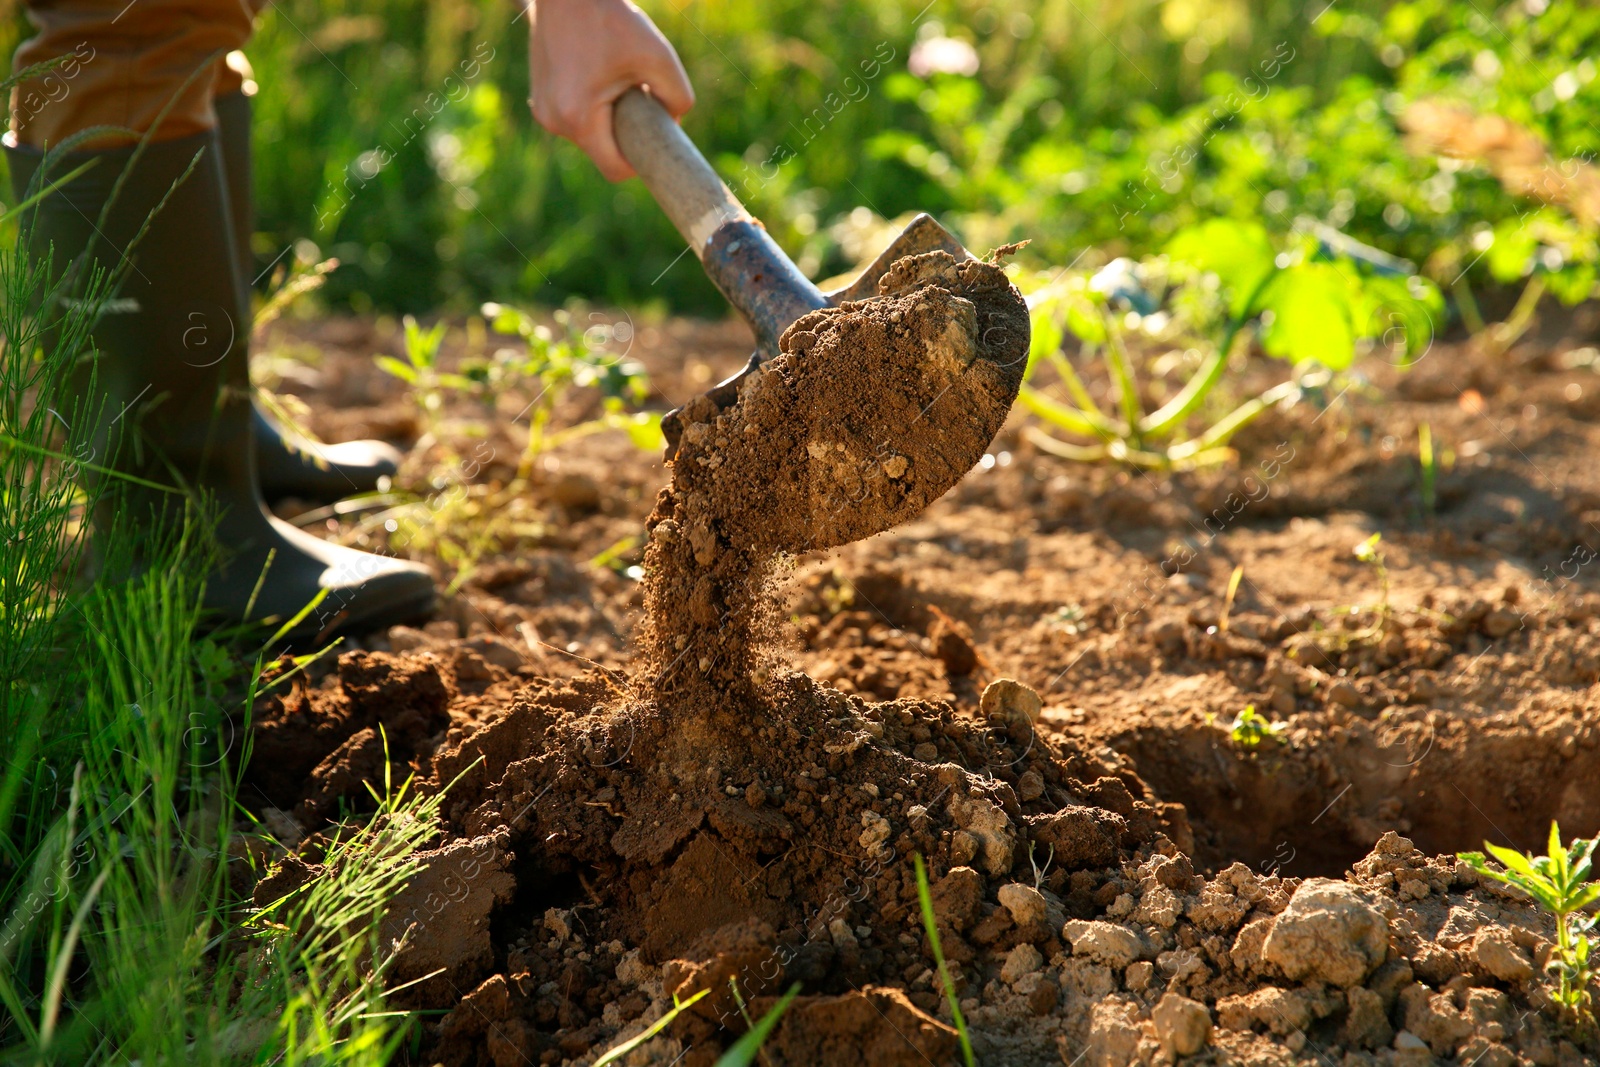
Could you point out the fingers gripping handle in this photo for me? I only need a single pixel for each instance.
(672, 168)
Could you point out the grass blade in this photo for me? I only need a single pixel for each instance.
(678, 1007)
(925, 899)
(744, 1050)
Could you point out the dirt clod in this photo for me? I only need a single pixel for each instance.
(1328, 933)
(875, 1027)
(1182, 1025)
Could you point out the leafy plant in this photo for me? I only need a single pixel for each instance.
(1249, 729)
(558, 360)
(462, 518)
(930, 926)
(1311, 304)
(1559, 882)
(1551, 248)
(553, 362)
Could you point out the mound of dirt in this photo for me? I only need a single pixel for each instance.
(613, 841)
(781, 855)
(579, 888)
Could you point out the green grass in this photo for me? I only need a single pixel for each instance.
(123, 940)
(620, 1050)
(395, 136)
(931, 927)
(744, 1051)
(741, 1053)
(123, 726)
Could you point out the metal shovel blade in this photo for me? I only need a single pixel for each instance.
(921, 234)
(872, 410)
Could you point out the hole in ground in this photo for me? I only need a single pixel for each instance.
(539, 887)
(1317, 804)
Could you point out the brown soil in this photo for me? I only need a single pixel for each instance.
(873, 411)
(1183, 901)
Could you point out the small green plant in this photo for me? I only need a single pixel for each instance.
(1312, 304)
(556, 361)
(925, 900)
(552, 362)
(462, 519)
(1559, 883)
(1249, 729)
(1371, 554)
(1429, 466)
(421, 369)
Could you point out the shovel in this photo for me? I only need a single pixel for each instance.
(769, 291)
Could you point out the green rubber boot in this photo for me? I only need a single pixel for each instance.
(174, 382)
(288, 464)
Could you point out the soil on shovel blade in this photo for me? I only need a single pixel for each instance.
(873, 411)
(617, 838)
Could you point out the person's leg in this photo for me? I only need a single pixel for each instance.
(287, 463)
(147, 65)
(172, 370)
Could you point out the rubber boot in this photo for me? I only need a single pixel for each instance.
(288, 464)
(174, 384)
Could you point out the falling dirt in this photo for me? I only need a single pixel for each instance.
(873, 411)
(1083, 833)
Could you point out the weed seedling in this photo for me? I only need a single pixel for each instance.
(1039, 873)
(556, 361)
(464, 520)
(420, 369)
(1559, 883)
(1429, 465)
(925, 899)
(1250, 729)
(1369, 553)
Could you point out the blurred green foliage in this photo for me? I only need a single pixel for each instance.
(1314, 301)
(394, 134)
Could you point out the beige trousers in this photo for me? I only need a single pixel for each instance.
(147, 65)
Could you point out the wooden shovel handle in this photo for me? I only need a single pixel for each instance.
(672, 168)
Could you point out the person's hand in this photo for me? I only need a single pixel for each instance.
(583, 55)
